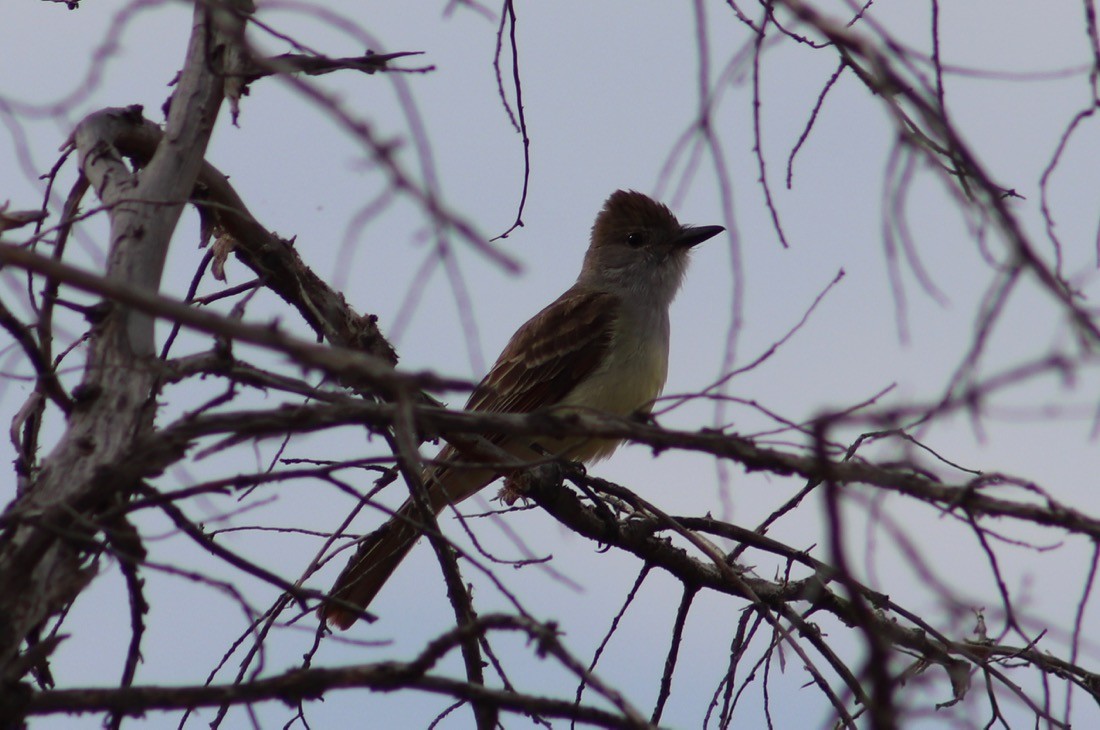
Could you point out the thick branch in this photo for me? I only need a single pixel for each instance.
(436, 422)
(274, 260)
(307, 684)
(41, 570)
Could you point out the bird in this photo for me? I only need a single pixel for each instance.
(601, 346)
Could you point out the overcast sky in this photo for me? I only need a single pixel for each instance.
(608, 88)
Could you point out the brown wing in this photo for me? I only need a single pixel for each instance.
(557, 349)
(550, 355)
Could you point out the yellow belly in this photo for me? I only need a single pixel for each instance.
(628, 382)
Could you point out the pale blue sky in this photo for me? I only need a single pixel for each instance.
(608, 88)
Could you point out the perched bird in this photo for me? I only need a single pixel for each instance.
(600, 346)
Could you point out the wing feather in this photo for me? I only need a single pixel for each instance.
(549, 355)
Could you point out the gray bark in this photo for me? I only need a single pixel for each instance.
(48, 546)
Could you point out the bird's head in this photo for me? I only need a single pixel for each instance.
(637, 244)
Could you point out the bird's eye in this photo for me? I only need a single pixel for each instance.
(635, 239)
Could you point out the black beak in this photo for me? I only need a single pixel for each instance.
(694, 235)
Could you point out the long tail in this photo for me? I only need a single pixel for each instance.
(372, 565)
(383, 550)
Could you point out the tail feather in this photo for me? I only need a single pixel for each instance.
(372, 565)
(383, 550)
